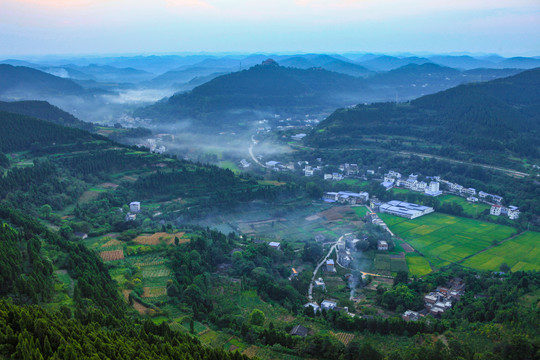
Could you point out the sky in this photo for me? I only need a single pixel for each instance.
(84, 27)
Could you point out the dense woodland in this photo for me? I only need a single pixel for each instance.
(484, 121)
(45, 111)
(33, 333)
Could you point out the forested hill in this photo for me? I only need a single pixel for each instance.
(497, 117)
(45, 111)
(25, 82)
(266, 87)
(95, 326)
(22, 133)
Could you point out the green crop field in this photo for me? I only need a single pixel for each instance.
(398, 265)
(520, 253)
(418, 265)
(361, 211)
(382, 263)
(443, 238)
(468, 208)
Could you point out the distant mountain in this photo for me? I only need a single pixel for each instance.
(330, 63)
(520, 63)
(16, 62)
(413, 80)
(496, 118)
(326, 62)
(105, 73)
(25, 83)
(418, 75)
(462, 62)
(45, 111)
(156, 64)
(489, 74)
(176, 78)
(299, 62)
(267, 87)
(386, 63)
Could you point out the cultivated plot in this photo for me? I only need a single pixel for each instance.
(444, 238)
(521, 253)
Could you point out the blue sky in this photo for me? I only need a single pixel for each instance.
(506, 27)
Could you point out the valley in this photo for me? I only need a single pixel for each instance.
(261, 233)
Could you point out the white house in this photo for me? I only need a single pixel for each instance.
(433, 189)
(513, 212)
(382, 245)
(131, 217)
(421, 186)
(394, 174)
(469, 191)
(330, 265)
(308, 172)
(495, 210)
(314, 306)
(319, 283)
(330, 196)
(274, 245)
(497, 198)
(135, 206)
(327, 176)
(328, 305)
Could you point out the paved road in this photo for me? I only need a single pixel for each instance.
(253, 142)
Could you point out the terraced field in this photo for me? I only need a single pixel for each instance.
(521, 253)
(445, 239)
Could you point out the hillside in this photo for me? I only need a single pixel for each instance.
(497, 118)
(268, 88)
(24, 82)
(45, 111)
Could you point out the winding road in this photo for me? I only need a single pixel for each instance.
(253, 143)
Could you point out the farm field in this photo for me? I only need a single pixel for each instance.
(521, 253)
(387, 264)
(445, 239)
(418, 265)
(112, 255)
(345, 338)
(159, 238)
